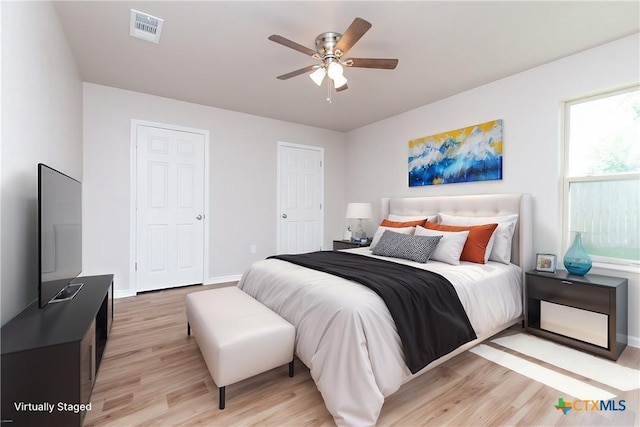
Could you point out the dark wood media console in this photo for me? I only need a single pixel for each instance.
(50, 356)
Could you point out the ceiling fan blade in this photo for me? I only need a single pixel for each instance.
(341, 88)
(385, 64)
(356, 30)
(297, 72)
(293, 45)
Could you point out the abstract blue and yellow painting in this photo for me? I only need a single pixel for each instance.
(469, 154)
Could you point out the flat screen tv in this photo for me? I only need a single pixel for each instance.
(59, 235)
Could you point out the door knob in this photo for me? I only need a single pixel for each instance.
(199, 217)
(284, 215)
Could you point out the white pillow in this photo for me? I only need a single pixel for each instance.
(450, 246)
(401, 230)
(403, 218)
(502, 236)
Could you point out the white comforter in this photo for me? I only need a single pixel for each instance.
(345, 333)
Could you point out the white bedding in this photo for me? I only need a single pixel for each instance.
(345, 333)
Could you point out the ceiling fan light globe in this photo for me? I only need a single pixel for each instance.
(339, 81)
(335, 70)
(317, 76)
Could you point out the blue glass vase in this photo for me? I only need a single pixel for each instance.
(576, 260)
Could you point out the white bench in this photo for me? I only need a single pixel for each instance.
(237, 335)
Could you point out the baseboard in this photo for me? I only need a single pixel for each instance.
(223, 279)
(633, 341)
(123, 293)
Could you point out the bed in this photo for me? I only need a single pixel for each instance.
(344, 332)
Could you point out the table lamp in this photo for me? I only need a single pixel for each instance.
(359, 211)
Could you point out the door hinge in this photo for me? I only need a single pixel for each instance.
(320, 163)
(320, 206)
(136, 267)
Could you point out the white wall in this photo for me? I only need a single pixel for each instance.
(242, 179)
(41, 122)
(530, 103)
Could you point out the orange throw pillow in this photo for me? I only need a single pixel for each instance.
(400, 224)
(476, 245)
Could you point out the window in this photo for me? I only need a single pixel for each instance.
(602, 175)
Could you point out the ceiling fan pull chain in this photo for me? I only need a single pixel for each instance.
(329, 90)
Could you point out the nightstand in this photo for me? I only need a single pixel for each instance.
(586, 312)
(348, 244)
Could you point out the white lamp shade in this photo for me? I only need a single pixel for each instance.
(334, 70)
(359, 211)
(317, 76)
(339, 81)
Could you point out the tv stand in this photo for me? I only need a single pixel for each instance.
(50, 357)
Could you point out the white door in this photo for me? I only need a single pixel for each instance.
(170, 208)
(300, 188)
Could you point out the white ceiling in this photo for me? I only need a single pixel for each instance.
(216, 53)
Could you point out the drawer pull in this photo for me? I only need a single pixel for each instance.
(566, 282)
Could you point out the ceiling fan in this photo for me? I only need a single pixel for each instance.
(330, 49)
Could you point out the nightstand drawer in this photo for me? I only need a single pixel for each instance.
(571, 293)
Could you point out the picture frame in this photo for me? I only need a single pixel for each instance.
(469, 154)
(546, 263)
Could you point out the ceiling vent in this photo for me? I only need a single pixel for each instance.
(145, 26)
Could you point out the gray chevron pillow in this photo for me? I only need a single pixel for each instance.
(414, 248)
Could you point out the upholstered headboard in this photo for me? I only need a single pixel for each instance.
(477, 205)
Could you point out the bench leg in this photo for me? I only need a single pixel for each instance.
(188, 329)
(291, 369)
(221, 394)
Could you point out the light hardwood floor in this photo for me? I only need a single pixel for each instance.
(153, 374)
